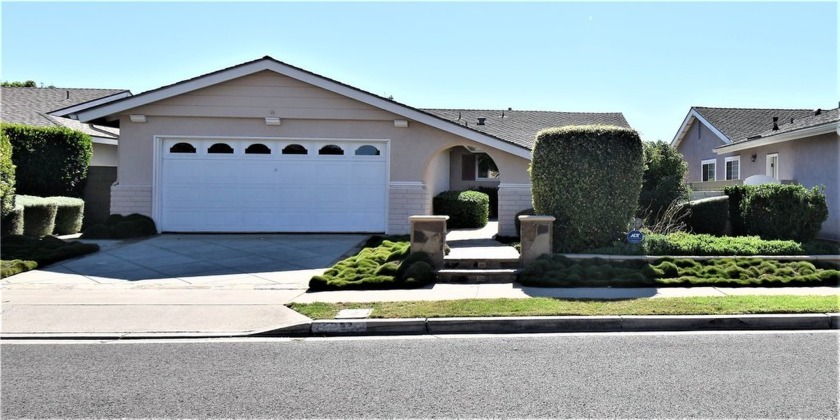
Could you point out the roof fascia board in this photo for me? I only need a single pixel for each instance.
(103, 140)
(780, 138)
(687, 123)
(306, 77)
(73, 109)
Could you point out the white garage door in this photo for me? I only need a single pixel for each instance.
(236, 185)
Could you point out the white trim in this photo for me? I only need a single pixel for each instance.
(306, 77)
(412, 184)
(732, 159)
(779, 138)
(767, 165)
(104, 140)
(694, 115)
(702, 172)
(514, 186)
(74, 109)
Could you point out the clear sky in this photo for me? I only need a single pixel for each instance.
(651, 61)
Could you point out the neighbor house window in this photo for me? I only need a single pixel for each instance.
(708, 169)
(733, 167)
(485, 167)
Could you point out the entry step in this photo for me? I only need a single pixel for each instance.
(502, 275)
(464, 263)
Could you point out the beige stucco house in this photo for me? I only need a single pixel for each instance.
(727, 145)
(268, 147)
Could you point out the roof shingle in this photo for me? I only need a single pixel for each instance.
(738, 124)
(30, 106)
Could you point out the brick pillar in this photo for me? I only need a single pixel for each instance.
(535, 237)
(428, 234)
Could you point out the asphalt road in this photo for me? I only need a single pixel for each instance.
(712, 375)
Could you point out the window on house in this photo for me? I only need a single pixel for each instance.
(294, 149)
(182, 148)
(257, 149)
(708, 170)
(331, 149)
(733, 167)
(220, 148)
(485, 167)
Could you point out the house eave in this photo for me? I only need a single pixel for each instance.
(71, 111)
(689, 119)
(780, 138)
(125, 104)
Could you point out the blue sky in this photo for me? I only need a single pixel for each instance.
(651, 61)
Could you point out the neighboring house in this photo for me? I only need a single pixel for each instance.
(727, 145)
(268, 147)
(51, 107)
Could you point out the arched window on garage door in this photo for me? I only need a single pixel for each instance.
(182, 148)
(331, 149)
(223, 148)
(295, 149)
(367, 150)
(257, 149)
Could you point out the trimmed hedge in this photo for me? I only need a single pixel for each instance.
(466, 209)
(736, 194)
(7, 176)
(686, 244)
(588, 178)
(708, 215)
(493, 195)
(50, 161)
(38, 215)
(663, 181)
(69, 216)
(779, 211)
(122, 227)
(12, 223)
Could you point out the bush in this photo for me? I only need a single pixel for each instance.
(517, 223)
(122, 227)
(493, 195)
(736, 194)
(9, 268)
(12, 223)
(50, 161)
(466, 209)
(588, 178)
(38, 215)
(663, 181)
(44, 251)
(776, 211)
(386, 266)
(68, 217)
(708, 215)
(7, 176)
(685, 244)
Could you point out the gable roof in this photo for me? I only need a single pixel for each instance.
(811, 125)
(509, 140)
(735, 124)
(521, 127)
(32, 106)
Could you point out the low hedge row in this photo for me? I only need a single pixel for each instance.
(777, 211)
(117, 226)
(466, 209)
(684, 244)
(707, 215)
(39, 216)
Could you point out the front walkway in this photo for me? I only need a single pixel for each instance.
(478, 243)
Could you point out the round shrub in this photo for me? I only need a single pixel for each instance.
(7, 176)
(663, 181)
(588, 178)
(12, 223)
(517, 223)
(69, 216)
(122, 227)
(420, 273)
(708, 215)
(466, 209)
(38, 215)
(777, 211)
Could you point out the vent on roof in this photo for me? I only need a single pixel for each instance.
(775, 125)
(68, 94)
(481, 120)
(818, 111)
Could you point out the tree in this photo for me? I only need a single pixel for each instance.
(663, 181)
(28, 83)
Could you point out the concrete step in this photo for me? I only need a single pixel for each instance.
(503, 275)
(480, 263)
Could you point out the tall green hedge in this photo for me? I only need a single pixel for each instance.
(588, 178)
(663, 181)
(7, 176)
(50, 161)
(775, 211)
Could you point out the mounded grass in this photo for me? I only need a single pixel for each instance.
(559, 271)
(725, 305)
(23, 253)
(384, 265)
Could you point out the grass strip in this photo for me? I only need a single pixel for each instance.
(712, 305)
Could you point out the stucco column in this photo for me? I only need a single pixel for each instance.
(535, 237)
(428, 234)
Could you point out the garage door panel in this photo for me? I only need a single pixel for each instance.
(280, 193)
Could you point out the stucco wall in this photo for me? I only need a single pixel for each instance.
(697, 146)
(809, 161)
(418, 153)
(104, 155)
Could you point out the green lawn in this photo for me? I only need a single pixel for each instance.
(727, 305)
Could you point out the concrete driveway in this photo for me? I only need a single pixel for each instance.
(275, 261)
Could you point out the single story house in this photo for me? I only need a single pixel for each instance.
(727, 145)
(54, 107)
(264, 146)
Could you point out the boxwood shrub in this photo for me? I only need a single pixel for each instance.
(466, 209)
(588, 178)
(12, 223)
(707, 215)
(493, 195)
(50, 161)
(122, 227)
(38, 215)
(7, 176)
(69, 216)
